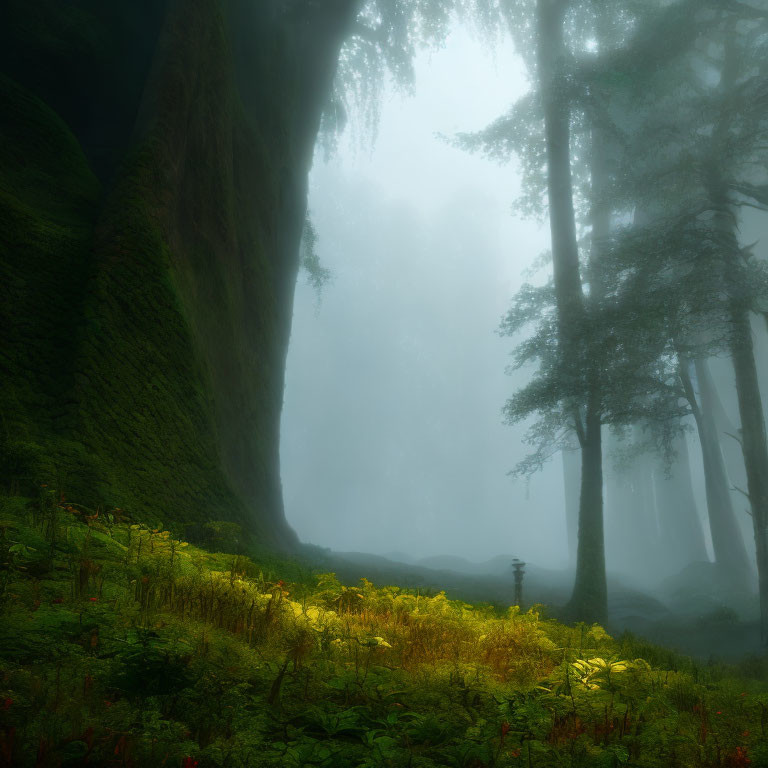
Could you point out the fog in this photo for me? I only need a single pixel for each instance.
(392, 433)
(392, 430)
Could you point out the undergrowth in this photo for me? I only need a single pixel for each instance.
(123, 646)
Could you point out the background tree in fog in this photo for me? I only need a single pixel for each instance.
(601, 358)
(713, 167)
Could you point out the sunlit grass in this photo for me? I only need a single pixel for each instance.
(123, 645)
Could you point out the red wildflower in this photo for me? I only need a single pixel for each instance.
(188, 762)
(7, 704)
(94, 599)
(738, 759)
(107, 704)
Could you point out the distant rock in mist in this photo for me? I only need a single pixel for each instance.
(702, 588)
(400, 557)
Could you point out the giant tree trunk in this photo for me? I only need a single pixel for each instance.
(589, 599)
(170, 295)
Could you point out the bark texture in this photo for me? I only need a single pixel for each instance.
(160, 288)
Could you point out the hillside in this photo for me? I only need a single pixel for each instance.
(123, 645)
(152, 200)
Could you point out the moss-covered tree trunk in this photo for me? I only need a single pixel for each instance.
(149, 310)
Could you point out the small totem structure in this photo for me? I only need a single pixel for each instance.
(518, 568)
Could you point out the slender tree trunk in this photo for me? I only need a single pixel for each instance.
(727, 432)
(754, 446)
(679, 523)
(589, 599)
(590, 593)
(571, 483)
(615, 495)
(642, 544)
(631, 527)
(730, 445)
(753, 432)
(562, 220)
(727, 543)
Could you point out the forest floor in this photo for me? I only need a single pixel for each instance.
(121, 645)
(691, 613)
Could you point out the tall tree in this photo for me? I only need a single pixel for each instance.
(589, 598)
(720, 183)
(590, 373)
(715, 131)
(727, 542)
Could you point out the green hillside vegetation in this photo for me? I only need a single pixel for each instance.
(124, 646)
(143, 345)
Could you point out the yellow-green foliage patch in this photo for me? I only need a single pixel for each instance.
(122, 645)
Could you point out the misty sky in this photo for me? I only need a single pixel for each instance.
(392, 435)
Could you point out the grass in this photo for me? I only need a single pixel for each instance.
(122, 645)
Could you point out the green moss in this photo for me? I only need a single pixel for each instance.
(145, 344)
(141, 391)
(48, 203)
(122, 643)
(146, 324)
(86, 59)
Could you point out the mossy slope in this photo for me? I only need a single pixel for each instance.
(144, 337)
(121, 645)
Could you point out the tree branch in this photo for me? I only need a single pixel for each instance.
(743, 493)
(375, 36)
(578, 425)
